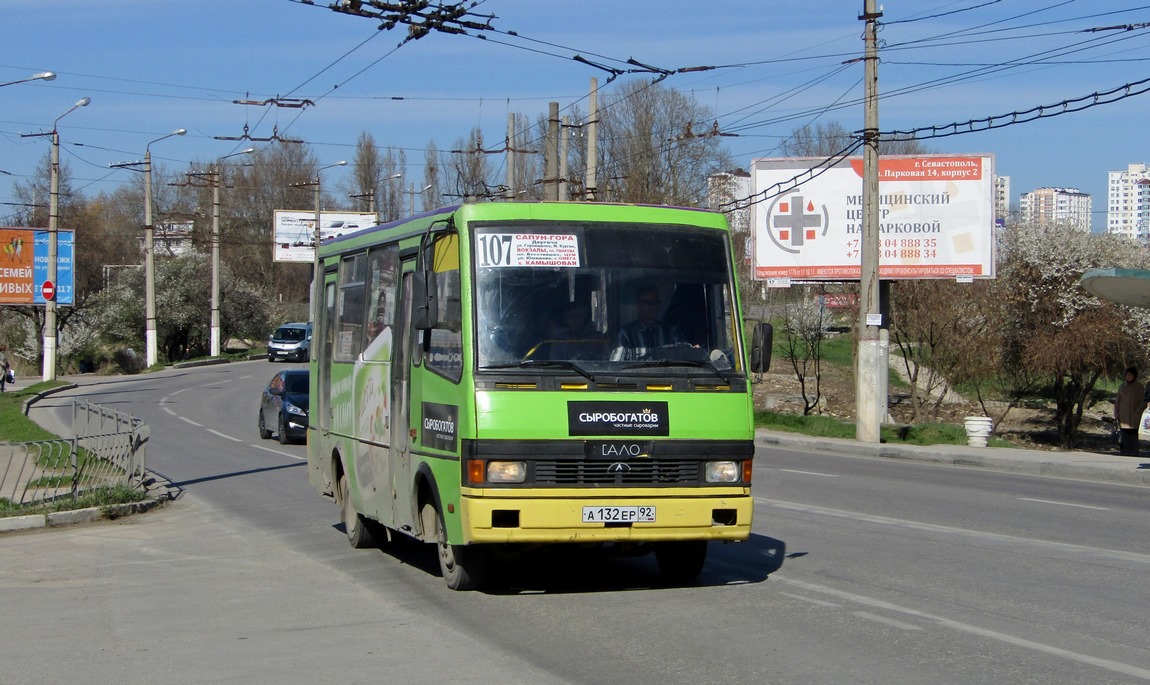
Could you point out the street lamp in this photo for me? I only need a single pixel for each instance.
(393, 210)
(49, 369)
(42, 76)
(150, 253)
(413, 192)
(317, 286)
(215, 332)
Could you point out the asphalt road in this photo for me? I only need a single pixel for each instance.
(860, 570)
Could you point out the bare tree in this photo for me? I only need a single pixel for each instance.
(827, 139)
(432, 180)
(657, 146)
(469, 173)
(253, 187)
(803, 331)
(363, 186)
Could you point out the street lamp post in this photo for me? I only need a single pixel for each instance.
(42, 76)
(317, 286)
(393, 211)
(215, 331)
(150, 252)
(413, 192)
(49, 368)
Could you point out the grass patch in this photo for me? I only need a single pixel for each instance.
(826, 427)
(14, 426)
(99, 497)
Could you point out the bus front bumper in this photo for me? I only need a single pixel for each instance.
(656, 515)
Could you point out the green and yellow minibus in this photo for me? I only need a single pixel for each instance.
(503, 375)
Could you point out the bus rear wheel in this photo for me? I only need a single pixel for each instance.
(359, 532)
(681, 561)
(463, 567)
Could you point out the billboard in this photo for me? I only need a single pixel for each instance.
(24, 266)
(294, 231)
(936, 218)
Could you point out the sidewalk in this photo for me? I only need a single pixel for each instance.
(1107, 468)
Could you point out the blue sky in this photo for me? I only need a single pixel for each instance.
(152, 66)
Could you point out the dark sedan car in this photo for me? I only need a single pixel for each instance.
(284, 406)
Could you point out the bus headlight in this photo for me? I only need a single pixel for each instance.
(506, 471)
(722, 472)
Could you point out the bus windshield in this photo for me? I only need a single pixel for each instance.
(595, 298)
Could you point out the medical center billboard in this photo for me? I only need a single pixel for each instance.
(936, 218)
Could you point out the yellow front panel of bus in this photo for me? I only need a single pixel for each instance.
(559, 516)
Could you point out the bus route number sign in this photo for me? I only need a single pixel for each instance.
(618, 514)
(547, 250)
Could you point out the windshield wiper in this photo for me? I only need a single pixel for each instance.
(680, 362)
(542, 363)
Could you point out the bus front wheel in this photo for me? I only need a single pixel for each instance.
(681, 561)
(358, 530)
(463, 567)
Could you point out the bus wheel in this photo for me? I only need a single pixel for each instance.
(463, 567)
(681, 561)
(357, 528)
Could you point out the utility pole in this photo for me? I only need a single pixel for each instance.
(561, 179)
(874, 333)
(49, 366)
(551, 154)
(510, 157)
(592, 140)
(151, 337)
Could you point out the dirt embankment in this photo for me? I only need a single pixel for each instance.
(1030, 426)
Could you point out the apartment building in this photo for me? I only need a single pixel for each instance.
(1001, 200)
(1128, 202)
(1048, 205)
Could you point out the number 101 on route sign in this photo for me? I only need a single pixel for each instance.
(618, 514)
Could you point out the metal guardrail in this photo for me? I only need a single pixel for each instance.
(107, 450)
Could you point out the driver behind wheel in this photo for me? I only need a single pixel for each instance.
(648, 331)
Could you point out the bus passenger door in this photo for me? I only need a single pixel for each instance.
(323, 332)
(401, 477)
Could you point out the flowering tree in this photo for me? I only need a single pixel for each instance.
(1051, 327)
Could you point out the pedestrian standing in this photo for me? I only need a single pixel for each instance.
(1128, 408)
(4, 366)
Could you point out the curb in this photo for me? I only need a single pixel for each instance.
(1021, 462)
(111, 512)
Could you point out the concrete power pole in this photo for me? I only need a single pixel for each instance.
(592, 140)
(874, 334)
(564, 135)
(551, 154)
(510, 157)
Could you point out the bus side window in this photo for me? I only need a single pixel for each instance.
(444, 341)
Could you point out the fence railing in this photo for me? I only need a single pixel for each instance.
(106, 450)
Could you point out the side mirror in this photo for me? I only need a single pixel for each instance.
(425, 300)
(761, 343)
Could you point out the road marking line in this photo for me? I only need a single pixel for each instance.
(187, 420)
(1013, 542)
(811, 473)
(1064, 504)
(1116, 666)
(887, 621)
(223, 435)
(282, 454)
(812, 600)
(169, 411)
